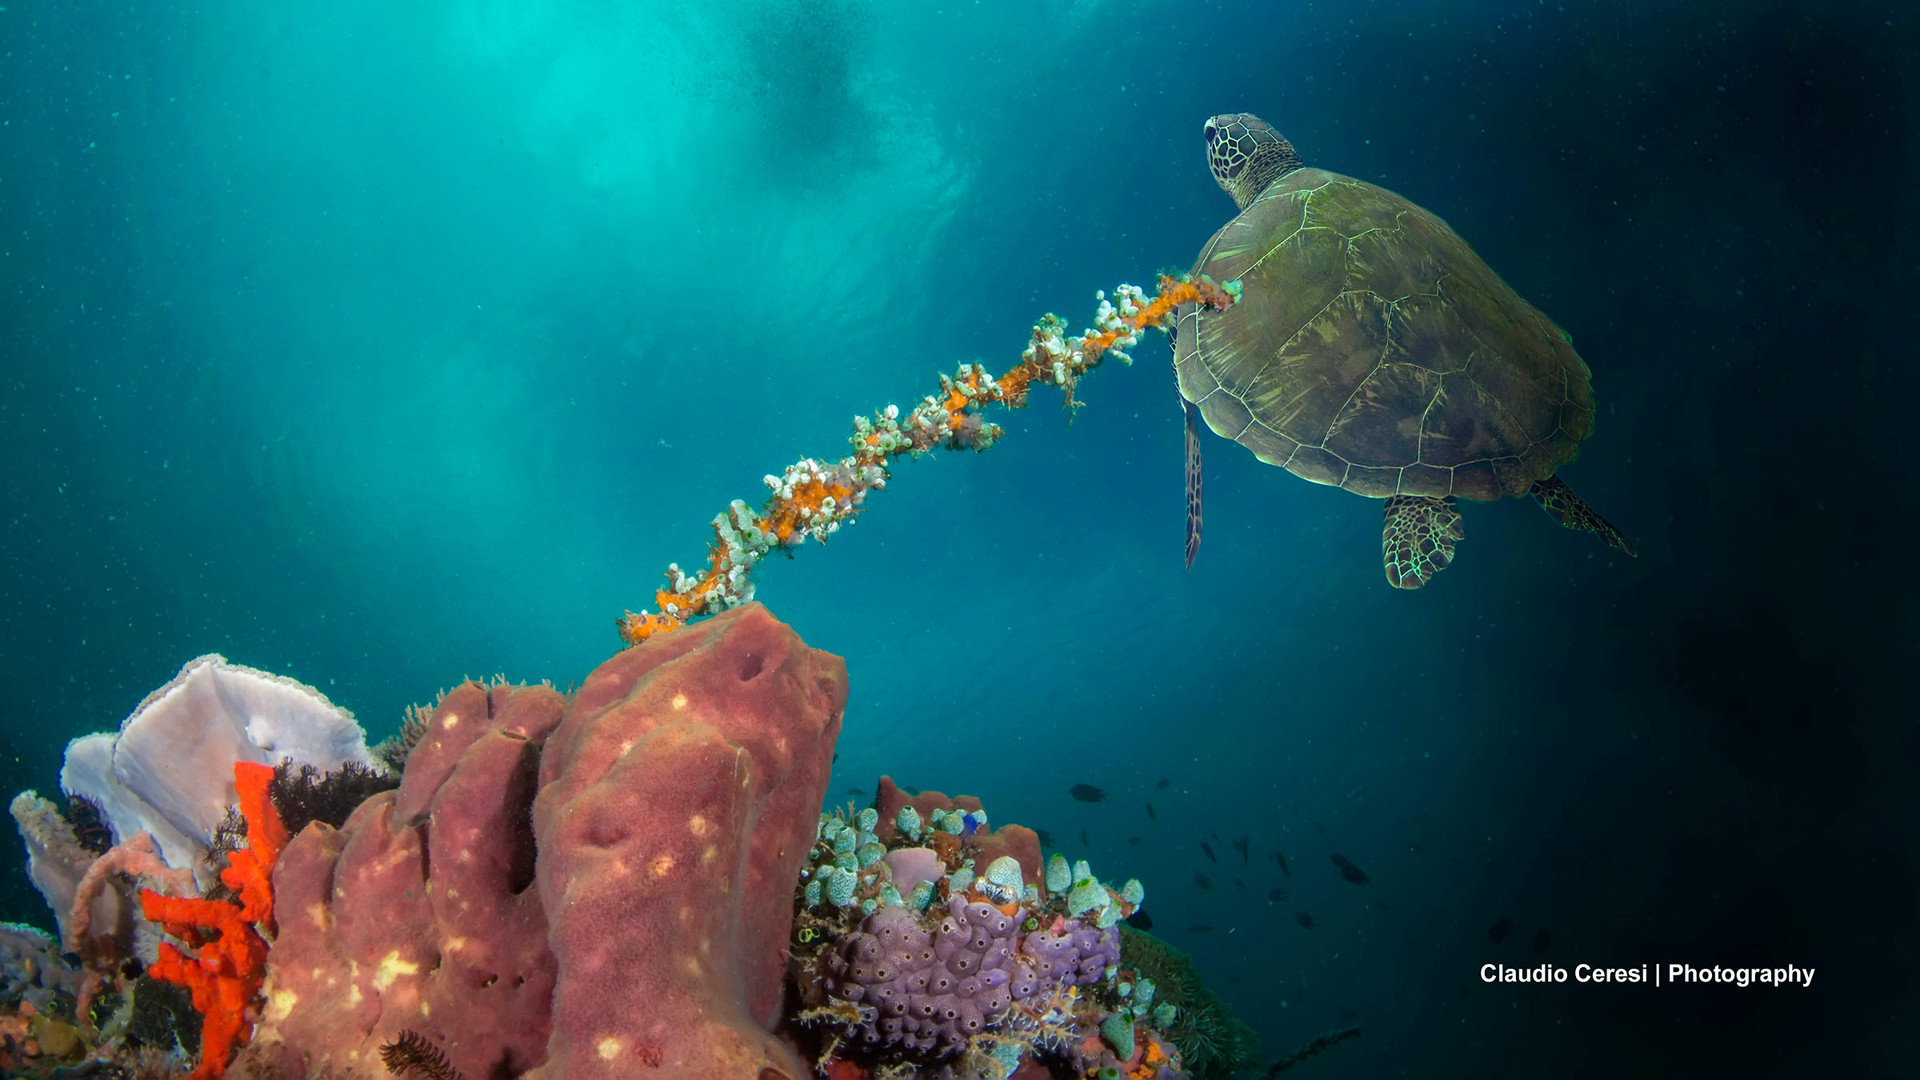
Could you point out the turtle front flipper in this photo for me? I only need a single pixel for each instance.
(1193, 480)
(1417, 541)
(1563, 506)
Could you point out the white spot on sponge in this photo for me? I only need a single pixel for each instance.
(391, 968)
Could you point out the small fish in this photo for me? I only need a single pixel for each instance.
(1151, 814)
(857, 793)
(1276, 896)
(1349, 871)
(1305, 920)
(1087, 793)
(1084, 842)
(1205, 882)
(1238, 884)
(1241, 846)
(1498, 932)
(1140, 920)
(1134, 841)
(1282, 860)
(1541, 940)
(1200, 928)
(1046, 838)
(1207, 850)
(1165, 783)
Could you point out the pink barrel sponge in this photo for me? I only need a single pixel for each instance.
(569, 889)
(419, 913)
(678, 799)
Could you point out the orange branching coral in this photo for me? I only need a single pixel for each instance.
(814, 499)
(226, 973)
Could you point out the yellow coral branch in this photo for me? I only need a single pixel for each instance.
(815, 499)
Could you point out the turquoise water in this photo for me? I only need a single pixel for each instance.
(383, 349)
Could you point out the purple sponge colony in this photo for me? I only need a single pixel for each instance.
(930, 990)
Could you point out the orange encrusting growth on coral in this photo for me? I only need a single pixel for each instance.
(812, 499)
(226, 975)
(1150, 1061)
(790, 515)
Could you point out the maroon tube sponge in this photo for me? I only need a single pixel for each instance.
(419, 913)
(1016, 840)
(678, 799)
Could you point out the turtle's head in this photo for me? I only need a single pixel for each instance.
(1246, 155)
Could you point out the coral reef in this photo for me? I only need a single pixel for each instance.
(629, 920)
(419, 912)
(31, 968)
(629, 881)
(168, 770)
(1212, 1042)
(151, 808)
(928, 948)
(812, 498)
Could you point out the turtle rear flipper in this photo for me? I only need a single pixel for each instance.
(1417, 541)
(1193, 480)
(1563, 506)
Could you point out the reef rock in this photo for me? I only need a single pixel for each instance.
(168, 772)
(570, 890)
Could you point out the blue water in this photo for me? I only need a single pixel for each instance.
(383, 345)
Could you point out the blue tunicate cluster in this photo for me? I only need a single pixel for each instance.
(842, 863)
(931, 991)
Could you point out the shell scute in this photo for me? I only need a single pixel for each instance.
(1377, 428)
(1373, 349)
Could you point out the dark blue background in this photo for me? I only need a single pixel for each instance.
(385, 349)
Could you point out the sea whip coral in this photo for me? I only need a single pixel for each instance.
(814, 498)
(226, 974)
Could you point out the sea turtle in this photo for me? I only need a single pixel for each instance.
(1372, 350)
